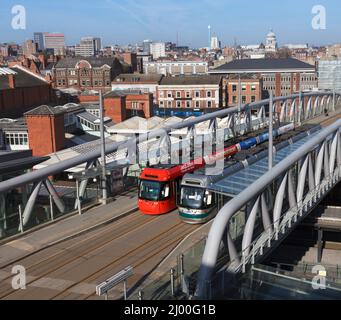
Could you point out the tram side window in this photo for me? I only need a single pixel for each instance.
(176, 187)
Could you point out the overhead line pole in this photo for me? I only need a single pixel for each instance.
(271, 119)
(103, 156)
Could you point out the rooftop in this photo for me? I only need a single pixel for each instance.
(22, 78)
(71, 62)
(191, 80)
(138, 78)
(123, 93)
(49, 110)
(13, 124)
(258, 65)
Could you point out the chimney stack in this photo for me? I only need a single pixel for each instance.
(11, 81)
(42, 61)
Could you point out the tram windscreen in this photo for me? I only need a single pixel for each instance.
(192, 198)
(153, 190)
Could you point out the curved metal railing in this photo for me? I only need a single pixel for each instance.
(316, 166)
(298, 106)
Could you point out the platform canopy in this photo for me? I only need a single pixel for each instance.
(239, 181)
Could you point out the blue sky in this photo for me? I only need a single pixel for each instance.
(131, 21)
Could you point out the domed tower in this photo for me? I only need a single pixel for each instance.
(271, 42)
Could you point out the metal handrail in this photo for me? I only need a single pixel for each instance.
(226, 213)
(61, 166)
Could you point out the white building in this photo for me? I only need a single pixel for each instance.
(88, 47)
(55, 41)
(215, 45)
(176, 67)
(291, 46)
(158, 50)
(271, 42)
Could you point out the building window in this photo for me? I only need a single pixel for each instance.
(188, 94)
(85, 73)
(197, 104)
(253, 98)
(234, 88)
(188, 104)
(178, 94)
(178, 104)
(197, 94)
(161, 94)
(169, 104)
(253, 88)
(209, 94)
(135, 105)
(234, 99)
(169, 94)
(162, 104)
(244, 87)
(209, 104)
(243, 99)
(17, 139)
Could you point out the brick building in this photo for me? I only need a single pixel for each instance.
(250, 88)
(21, 90)
(281, 76)
(46, 132)
(190, 95)
(138, 82)
(88, 73)
(120, 106)
(130, 59)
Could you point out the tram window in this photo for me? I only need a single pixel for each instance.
(165, 192)
(196, 198)
(209, 199)
(153, 190)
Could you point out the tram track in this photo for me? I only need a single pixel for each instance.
(331, 120)
(121, 227)
(75, 254)
(151, 249)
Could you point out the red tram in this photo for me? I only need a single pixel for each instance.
(159, 186)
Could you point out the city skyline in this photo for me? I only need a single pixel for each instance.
(132, 21)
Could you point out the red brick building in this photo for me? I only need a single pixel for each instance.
(122, 106)
(46, 132)
(191, 93)
(280, 76)
(130, 59)
(21, 90)
(115, 108)
(250, 88)
(88, 73)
